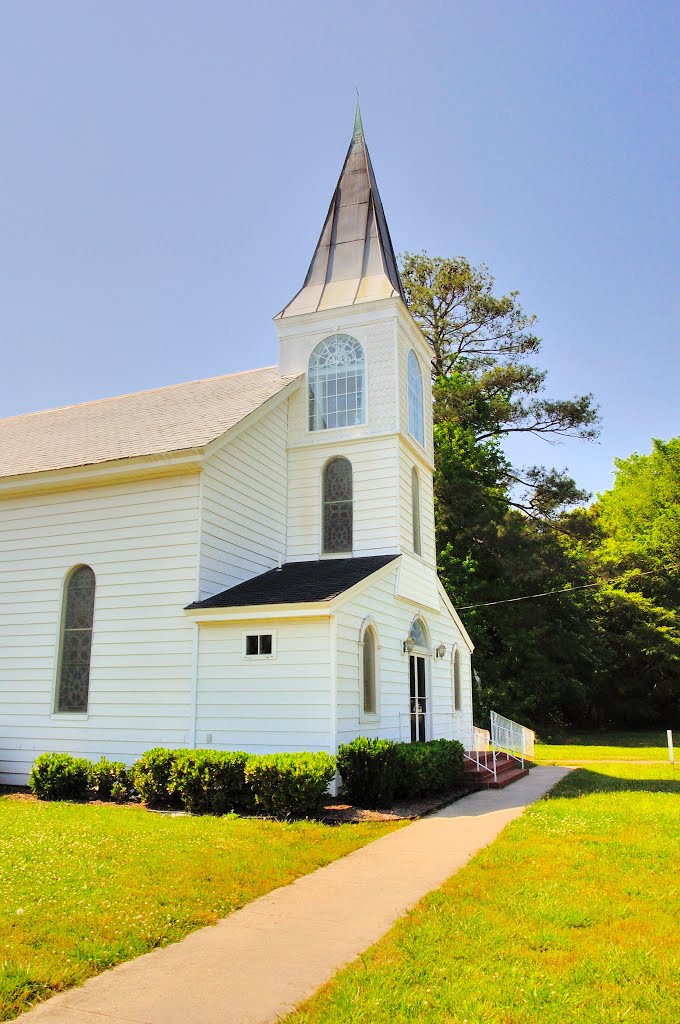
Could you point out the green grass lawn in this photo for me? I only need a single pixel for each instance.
(84, 887)
(605, 746)
(569, 917)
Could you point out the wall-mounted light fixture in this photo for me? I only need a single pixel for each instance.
(409, 644)
(440, 651)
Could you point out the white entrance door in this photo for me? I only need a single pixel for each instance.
(418, 697)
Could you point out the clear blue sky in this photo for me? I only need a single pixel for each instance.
(166, 167)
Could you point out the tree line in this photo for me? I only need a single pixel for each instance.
(602, 647)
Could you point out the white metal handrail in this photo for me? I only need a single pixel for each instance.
(481, 744)
(511, 737)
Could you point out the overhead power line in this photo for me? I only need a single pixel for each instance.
(564, 590)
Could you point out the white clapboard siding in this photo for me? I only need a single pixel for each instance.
(375, 469)
(378, 339)
(407, 462)
(243, 503)
(406, 342)
(418, 583)
(392, 619)
(266, 704)
(141, 540)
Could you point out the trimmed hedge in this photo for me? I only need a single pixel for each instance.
(201, 781)
(211, 782)
(375, 772)
(425, 769)
(61, 777)
(111, 780)
(151, 776)
(290, 785)
(369, 771)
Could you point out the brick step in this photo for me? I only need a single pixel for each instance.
(506, 773)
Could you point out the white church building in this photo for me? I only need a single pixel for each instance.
(246, 562)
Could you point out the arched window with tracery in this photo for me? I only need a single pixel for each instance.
(75, 648)
(337, 506)
(415, 510)
(337, 383)
(369, 661)
(416, 423)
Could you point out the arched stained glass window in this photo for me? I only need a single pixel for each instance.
(416, 427)
(337, 506)
(73, 684)
(415, 507)
(368, 665)
(337, 383)
(419, 633)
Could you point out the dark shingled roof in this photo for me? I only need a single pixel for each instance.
(296, 582)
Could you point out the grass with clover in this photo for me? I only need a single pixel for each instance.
(85, 887)
(571, 915)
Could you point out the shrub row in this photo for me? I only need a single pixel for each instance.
(201, 781)
(376, 772)
(62, 777)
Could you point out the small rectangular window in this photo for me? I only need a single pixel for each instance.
(259, 645)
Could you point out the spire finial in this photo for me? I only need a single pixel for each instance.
(358, 126)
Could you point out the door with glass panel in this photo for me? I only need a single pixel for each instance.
(418, 697)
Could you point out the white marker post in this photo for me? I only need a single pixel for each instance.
(671, 755)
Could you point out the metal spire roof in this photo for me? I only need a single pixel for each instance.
(354, 259)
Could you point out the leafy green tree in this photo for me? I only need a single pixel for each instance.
(491, 516)
(636, 541)
(483, 380)
(602, 653)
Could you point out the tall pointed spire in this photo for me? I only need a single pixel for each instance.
(354, 259)
(358, 123)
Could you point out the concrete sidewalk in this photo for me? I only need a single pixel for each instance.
(256, 965)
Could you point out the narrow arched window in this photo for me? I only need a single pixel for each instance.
(368, 673)
(456, 680)
(73, 683)
(337, 506)
(416, 427)
(415, 508)
(337, 383)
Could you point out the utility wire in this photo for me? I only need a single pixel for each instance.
(564, 590)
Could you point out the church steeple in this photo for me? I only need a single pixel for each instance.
(354, 259)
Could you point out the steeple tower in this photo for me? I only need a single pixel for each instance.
(354, 259)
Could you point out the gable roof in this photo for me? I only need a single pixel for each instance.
(169, 419)
(299, 582)
(354, 258)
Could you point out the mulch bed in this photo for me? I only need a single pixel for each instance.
(335, 812)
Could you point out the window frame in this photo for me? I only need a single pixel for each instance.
(369, 716)
(416, 518)
(59, 649)
(425, 649)
(414, 362)
(311, 398)
(347, 552)
(259, 634)
(456, 689)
